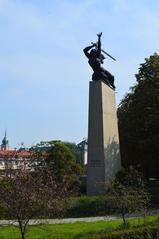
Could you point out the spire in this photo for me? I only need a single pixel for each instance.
(5, 143)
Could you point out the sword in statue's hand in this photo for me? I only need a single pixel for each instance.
(105, 52)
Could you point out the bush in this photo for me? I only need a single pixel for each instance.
(153, 189)
(146, 232)
(86, 206)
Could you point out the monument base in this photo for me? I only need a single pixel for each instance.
(103, 140)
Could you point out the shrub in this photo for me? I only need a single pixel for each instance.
(146, 232)
(127, 193)
(86, 206)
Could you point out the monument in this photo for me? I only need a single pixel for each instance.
(103, 140)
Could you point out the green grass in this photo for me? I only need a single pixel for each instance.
(69, 231)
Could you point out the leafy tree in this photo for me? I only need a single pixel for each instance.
(127, 193)
(131, 177)
(138, 116)
(59, 158)
(62, 161)
(75, 151)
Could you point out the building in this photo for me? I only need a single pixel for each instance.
(82, 149)
(5, 142)
(12, 159)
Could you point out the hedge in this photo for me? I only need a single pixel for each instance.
(86, 206)
(146, 232)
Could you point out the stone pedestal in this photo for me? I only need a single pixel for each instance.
(103, 140)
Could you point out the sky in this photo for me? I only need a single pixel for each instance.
(44, 75)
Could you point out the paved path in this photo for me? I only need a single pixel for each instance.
(73, 220)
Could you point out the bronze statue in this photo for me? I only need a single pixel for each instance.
(96, 58)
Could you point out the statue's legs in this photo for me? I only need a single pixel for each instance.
(104, 75)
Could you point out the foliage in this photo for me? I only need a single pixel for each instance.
(89, 206)
(147, 232)
(86, 206)
(63, 162)
(131, 177)
(138, 118)
(125, 200)
(24, 193)
(127, 193)
(75, 151)
(153, 189)
(60, 160)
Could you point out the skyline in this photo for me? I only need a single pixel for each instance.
(44, 75)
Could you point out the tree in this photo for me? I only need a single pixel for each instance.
(24, 194)
(59, 158)
(138, 118)
(75, 151)
(127, 193)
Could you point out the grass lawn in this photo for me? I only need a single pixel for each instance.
(69, 231)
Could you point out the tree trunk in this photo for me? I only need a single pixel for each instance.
(123, 217)
(22, 234)
(21, 229)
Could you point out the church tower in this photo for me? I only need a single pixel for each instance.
(5, 142)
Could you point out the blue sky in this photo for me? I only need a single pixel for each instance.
(44, 76)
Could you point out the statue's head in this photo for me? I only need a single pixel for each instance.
(102, 57)
(93, 53)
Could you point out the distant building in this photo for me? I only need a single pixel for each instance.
(13, 159)
(82, 148)
(5, 142)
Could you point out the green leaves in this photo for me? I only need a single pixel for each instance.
(60, 158)
(138, 115)
(127, 193)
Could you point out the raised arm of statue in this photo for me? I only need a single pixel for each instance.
(99, 44)
(86, 50)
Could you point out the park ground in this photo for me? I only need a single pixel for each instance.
(87, 207)
(74, 230)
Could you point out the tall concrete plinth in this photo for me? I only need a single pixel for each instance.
(103, 140)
